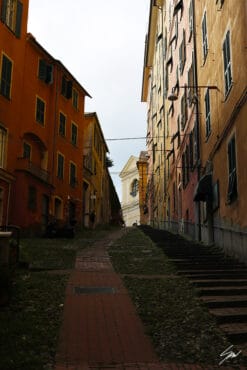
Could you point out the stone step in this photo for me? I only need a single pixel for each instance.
(194, 265)
(222, 291)
(224, 301)
(214, 274)
(236, 333)
(212, 282)
(230, 315)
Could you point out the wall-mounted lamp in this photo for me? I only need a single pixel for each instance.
(174, 93)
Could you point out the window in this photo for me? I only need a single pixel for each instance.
(221, 2)
(232, 171)
(45, 72)
(3, 141)
(227, 63)
(184, 110)
(26, 151)
(186, 166)
(74, 134)
(40, 111)
(6, 75)
(11, 15)
(32, 198)
(60, 166)
(204, 37)
(174, 197)
(75, 98)
(182, 54)
(134, 188)
(62, 124)
(72, 177)
(191, 150)
(190, 20)
(207, 113)
(66, 90)
(179, 7)
(191, 84)
(58, 209)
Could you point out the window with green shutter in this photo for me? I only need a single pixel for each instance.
(40, 111)
(45, 71)
(74, 134)
(72, 178)
(60, 166)
(11, 15)
(207, 113)
(204, 37)
(227, 64)
(232, 191)
(62, 124)
(6, 75)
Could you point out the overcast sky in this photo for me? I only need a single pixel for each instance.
(102, 43)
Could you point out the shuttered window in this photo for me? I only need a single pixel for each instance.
(40, 111)
(232, 171)
(207, 113)
(45, 71)
(72, 178)
(6, 75)
(204, 37)
(74, 132)
(227, 63)
(60, 166)
(11, 15)
(62, 124)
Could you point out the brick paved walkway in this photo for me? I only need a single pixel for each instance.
(101, 329)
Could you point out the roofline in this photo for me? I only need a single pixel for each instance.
(32, 39)
(148, 53)
(94, 114)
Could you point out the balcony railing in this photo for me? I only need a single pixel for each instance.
(25, 165)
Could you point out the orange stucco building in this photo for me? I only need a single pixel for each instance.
(49, 161)
(42, 127)
(13, 28)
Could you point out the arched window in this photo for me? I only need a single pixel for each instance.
(134, 188)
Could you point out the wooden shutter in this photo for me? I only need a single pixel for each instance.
(18, 19)
(69, 89)
(3, 10)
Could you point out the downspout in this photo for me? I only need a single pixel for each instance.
(198, 208)
(8, 202)
(56, 75)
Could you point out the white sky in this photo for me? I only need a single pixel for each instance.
(102, 43)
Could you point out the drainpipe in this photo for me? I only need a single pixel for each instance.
(8, 202)
(198, 208)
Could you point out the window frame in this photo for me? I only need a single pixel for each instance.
(227, 63)
(72, 174)
(6, 76)
(232, 189)
(40, 113)
(74, 136)
(207, 113)
(60, 131)
(3, 146)
(60, 166)
(12, 18)
(27, 153)
(204, 37)
(134, 188)
(75, 99)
